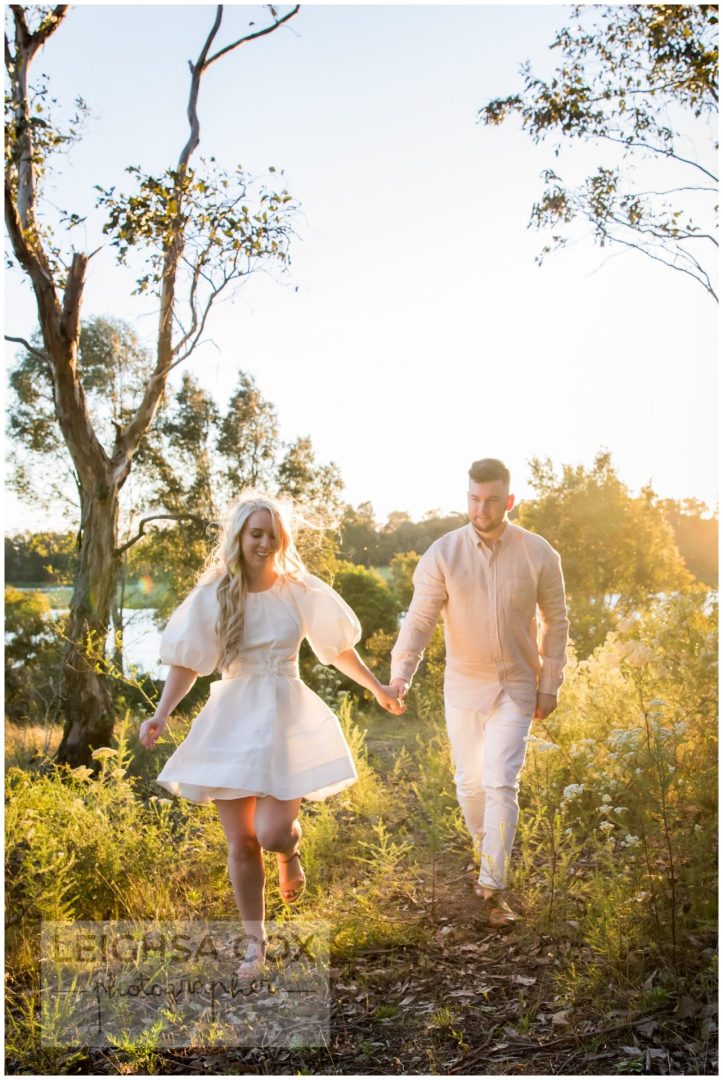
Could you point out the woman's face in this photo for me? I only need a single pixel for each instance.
(258, 543)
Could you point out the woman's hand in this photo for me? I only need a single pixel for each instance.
(150, 730)
(389, 700)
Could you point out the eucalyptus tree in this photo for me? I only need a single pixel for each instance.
(639, 82)
(200, 230)
(248, 438)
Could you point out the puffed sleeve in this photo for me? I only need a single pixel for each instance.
(330, 626)
(189, 639)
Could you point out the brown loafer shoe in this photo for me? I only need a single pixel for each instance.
(500, 915)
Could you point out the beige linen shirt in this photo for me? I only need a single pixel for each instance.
(489, 601)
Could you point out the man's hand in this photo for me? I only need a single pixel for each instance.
(546, 704)
(387, 697)
(400, 687)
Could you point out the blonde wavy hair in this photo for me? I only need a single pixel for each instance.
(226, 566)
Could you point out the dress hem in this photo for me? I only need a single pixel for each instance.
(201, 793)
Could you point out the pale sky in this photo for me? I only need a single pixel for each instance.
(414, 331)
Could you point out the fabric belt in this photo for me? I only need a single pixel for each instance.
(286, 669)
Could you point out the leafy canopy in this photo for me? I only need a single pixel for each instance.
(640, 82)
(618, 550)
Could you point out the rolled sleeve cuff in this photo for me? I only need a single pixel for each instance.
(551, 676)
(404, 667)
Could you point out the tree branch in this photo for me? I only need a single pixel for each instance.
(51, 24)
(658, 150)
(702, 278)
(31, 348)
(197, 70)
(252, 37)
(159, 517)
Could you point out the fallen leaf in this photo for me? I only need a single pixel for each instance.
(686, 1007)
(524, 980)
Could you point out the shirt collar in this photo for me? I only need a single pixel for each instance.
(501, 540)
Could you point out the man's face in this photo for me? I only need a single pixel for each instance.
(487, 504)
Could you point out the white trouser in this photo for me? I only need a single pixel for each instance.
(488, 751)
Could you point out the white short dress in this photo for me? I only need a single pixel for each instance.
(262, 730)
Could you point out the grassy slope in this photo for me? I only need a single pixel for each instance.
(419, 983)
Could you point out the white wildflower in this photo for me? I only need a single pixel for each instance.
(631, 841)
(620, 809)
(103, 753)
(698, 828)
(606, 826)
(540, 744)
(606, 798)
(572, 790)
(639, 655)
(82, 772)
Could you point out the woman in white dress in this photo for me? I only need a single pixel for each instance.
(264, 740)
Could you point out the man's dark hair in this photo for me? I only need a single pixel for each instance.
(489, 468)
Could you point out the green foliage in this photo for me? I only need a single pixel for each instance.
(248, 437)
(300, 476)
(402, 568)
(33, 656)
(40, 558)
(618, 826)
(364, 543)
(633, 80)
(113, 367)
(696, 534)
(224, 237)
(618, 551)
(368, 595)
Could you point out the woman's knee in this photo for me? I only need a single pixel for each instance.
(278, 836)
(243, 848)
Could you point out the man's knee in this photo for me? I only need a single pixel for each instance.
(501, 788)
(468, 782)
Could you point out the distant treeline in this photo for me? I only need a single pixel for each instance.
(49, 558)
(41, 558)
(366, 543)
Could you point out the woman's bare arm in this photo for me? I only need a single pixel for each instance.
(351, 664)
(179, 682)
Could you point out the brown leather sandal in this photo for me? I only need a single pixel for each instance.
(500, 915)
(254, 962)
(293, 889)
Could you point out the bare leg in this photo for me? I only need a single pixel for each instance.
(278, 829)
(245, 862)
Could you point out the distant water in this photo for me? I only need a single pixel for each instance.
(141, 639)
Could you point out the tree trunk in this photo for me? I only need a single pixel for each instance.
(86, 700)
(118, 618)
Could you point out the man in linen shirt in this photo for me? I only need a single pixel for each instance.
(490, 580)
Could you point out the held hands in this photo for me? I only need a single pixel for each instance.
(389, 700)
(150, 730)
